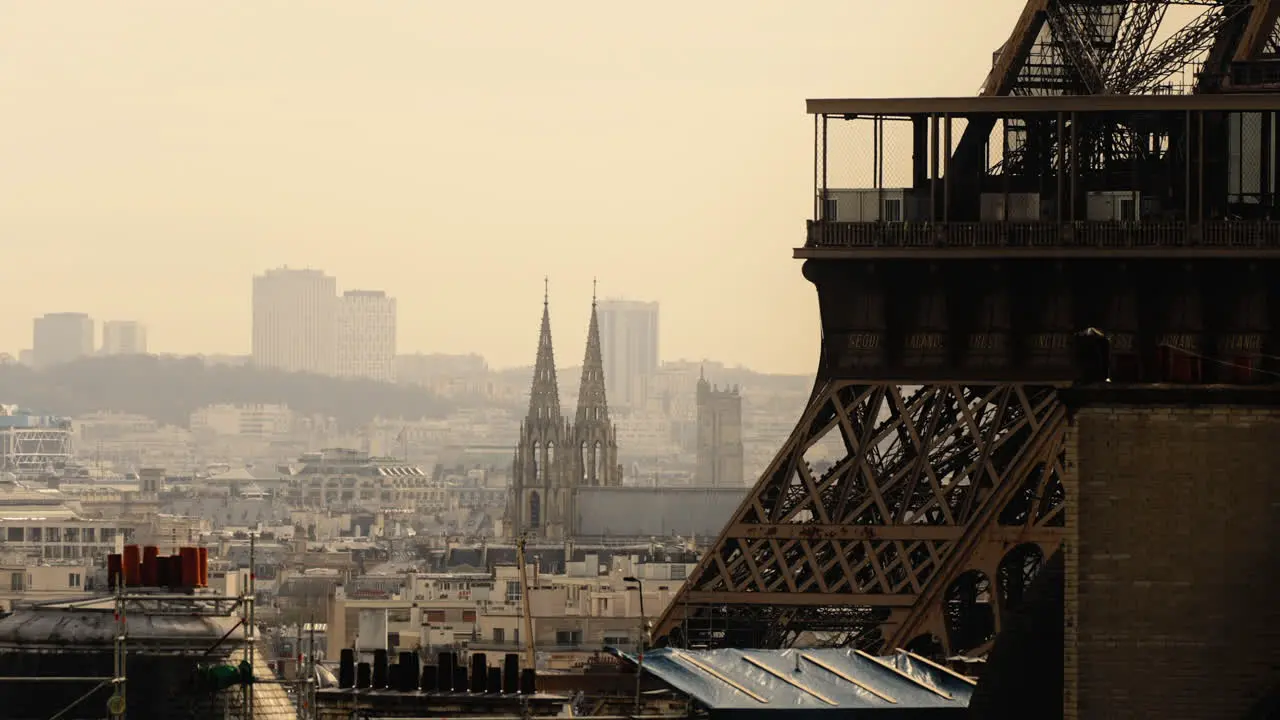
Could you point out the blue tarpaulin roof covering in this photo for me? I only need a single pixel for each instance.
(810, 680)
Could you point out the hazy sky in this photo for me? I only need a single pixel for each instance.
(156, 154)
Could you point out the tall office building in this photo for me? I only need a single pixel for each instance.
(294, 320)
(61, 337)
(367, 335)
(629, 345)
(124, 337)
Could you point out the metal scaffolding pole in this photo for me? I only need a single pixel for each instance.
(251, 635)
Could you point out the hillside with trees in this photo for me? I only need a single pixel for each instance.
(168, 389)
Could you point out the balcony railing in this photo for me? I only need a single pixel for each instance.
(1162, 172)
(1242, 235)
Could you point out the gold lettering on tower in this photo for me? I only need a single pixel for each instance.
(1180, 341)
(863, 341)
(987, 341)
(926, 341)
(1250, 343)
(861, 350)
(1051, 342)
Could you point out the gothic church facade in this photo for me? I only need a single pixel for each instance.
(556, 456)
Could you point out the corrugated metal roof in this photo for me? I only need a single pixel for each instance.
(817, 679)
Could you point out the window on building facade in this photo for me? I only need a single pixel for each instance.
(569, 637)
(73, 580)
(499, 635)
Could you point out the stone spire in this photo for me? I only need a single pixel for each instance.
(592, 405)
(544, 393)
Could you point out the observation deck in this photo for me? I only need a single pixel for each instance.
(990, 231)
(1051, 176)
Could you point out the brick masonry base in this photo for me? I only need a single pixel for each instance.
(1172, 597)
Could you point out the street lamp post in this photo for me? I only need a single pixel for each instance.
(644, 636)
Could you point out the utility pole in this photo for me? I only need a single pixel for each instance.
(311, 669)
(116, 703)
(644, 636)
(251, 629)
(531, 655)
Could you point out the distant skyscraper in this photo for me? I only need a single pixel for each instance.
(629, 344)
(124, 337)
(60, 338)
(720, 451)
(367, 335)
(294, 320)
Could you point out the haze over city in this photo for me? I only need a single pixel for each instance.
(159, 154)
(418, 359)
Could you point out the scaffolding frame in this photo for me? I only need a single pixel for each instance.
(164, 604)
(118, 677)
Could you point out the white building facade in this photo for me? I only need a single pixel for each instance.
(294, 320)
(366, 336)
(124, 337)
(255, 420)
(629, 349)
(60, 338)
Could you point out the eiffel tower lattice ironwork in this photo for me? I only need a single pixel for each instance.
(938, 500)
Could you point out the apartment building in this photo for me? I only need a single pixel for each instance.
(64, 538)
(60, 338)
(578, 612)
(294, 320)
(366, 339)
(629, 349)
(574, 614)
(255, 420)
(414, 610)
(124, 337)
(21, 583)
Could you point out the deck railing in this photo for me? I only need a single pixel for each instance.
(1244, 235)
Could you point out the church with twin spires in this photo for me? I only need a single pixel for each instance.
(556, 456)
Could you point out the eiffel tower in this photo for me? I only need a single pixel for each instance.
(947, 497)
